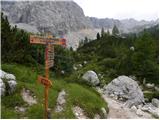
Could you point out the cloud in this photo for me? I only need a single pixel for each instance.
(121, 9)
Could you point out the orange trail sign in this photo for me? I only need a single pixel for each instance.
(49, 42)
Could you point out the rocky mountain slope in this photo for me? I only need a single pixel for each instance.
(64, 18)
(55, 17)
(125, 25)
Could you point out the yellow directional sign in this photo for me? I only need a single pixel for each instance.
(44, 81)
(45, 40)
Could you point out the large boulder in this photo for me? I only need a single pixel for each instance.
(91, 77)
(7, 83)
(127, 89)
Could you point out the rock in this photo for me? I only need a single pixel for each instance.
(139, 112)
(91, 77)
(157, 89)
(75, 68)
(139, 106)
(145, 108)
(59, 17)
(2, 74)
(133, 108)
(111, 95)
(10, 77)
(79, 112)
(121, 99)
(155, 102)
(146, 99)
(133, 77)
(61, 98)
(132, 48)
(2, 88)
(155, 113)
(7, 75)
(80, 65)
(85, 62)
(61, 101)
(12, 84)
(62, 72)
(127, 89)
(104, 112)
(151, 109)
(7, 83)
(20, 109)
(27, 97)
(115, 97)
(99, 74)
(149, 85)
(97, 116)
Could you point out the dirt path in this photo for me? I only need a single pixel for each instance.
(119, 111)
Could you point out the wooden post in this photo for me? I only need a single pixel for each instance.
(47, 77)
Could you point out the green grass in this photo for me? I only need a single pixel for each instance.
(84, 96)
(151, 94)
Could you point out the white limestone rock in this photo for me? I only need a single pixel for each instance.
(133, 108)
(61, 101)
(127, 89)
(12, 84)
(10, 80)
(139, 112)
(91, 77)
(155, 102)
(2, 88)
(149, 85)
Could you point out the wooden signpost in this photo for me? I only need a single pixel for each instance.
(49, 42)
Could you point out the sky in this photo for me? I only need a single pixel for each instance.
(121, 9)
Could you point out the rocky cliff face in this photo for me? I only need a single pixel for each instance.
(64, 18)
(47, 16)
(125, 25)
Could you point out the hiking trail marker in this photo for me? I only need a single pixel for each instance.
(49, 41)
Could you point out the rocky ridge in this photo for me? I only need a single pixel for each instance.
(64, 18)
(49, 16)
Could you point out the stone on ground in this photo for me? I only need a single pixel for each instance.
(91, 77)
(2, 88)
(27, 96)
(61, 100)
(20, 109)
(149, 107)
(126, 88)
(79, 113)
(133, 108)
(7, 83)
(139, 112)
(155, 102)
(149, 85)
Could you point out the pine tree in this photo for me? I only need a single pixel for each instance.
(115, 30)
(108, 33)
(102, 32)
(98, 36)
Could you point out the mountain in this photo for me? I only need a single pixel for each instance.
(125, 25)
(55, 17)
(64, 18)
